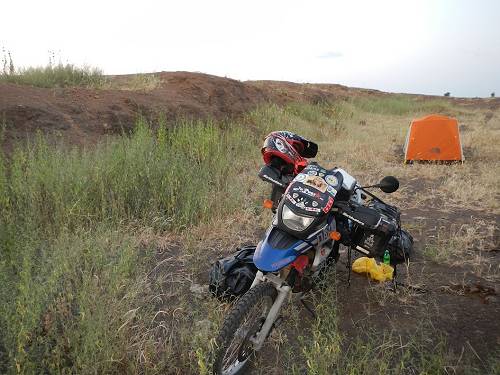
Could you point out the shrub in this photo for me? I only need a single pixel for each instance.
(51, 75)
(71, 268)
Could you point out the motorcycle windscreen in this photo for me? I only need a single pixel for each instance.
(312, 192)
(277, 250)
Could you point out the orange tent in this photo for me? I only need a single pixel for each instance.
(433, 137)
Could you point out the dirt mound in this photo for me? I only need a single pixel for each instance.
(82, 115)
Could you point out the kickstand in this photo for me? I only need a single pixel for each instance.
(349, 266)
(308, 307)
(394, 281)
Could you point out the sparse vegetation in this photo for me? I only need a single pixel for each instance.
(400, 105)
(60, 75)
(52, 75)
(101, 246)
(327, 351)
(57, 74)
(144, 82)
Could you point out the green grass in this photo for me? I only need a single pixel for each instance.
(64, 300)
(59, 75)
(71, 263)
(400, 105)
(322, 121)
(168, 178)
(81, 233)
(99, 246)
(326, 350)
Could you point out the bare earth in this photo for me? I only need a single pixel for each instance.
(83, 116)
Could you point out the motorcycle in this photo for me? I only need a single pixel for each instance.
(315, 210)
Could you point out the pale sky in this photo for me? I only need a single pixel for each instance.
(416, 46)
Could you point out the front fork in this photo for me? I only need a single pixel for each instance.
(283, 291)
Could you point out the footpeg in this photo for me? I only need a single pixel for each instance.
(279, 320)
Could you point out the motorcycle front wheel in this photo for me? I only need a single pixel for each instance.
(234, 345)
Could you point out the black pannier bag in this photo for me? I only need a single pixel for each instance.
(372, 229)
(232, 276)
(387, 211)
(377, 228)
(400, 246)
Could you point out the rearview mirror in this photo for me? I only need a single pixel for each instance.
(389, 184)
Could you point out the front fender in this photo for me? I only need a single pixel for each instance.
(277, 250)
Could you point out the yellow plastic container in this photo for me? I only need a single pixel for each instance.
(369, 266)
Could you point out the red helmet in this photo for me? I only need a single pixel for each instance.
(288, 151)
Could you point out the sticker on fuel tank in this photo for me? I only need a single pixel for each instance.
(329, 205)
(300, 204)
(331, 180)
(331, 190)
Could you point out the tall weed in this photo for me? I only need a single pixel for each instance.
(71, 266)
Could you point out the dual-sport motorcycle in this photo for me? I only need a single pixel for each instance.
(315, 210)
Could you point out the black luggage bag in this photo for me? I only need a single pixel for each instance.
(232, 276)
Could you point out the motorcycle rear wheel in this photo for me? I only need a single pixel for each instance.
(233, 345)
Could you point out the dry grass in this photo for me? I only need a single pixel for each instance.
(470, 243)
(59, 74)
(164, 325)
(133, 82)
(346, 143)
(54, 74)
(374, 138)
(357, 141)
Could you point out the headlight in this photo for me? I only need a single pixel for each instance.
(295, 222)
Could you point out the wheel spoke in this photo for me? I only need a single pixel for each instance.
(241, 327)
(241, 337)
